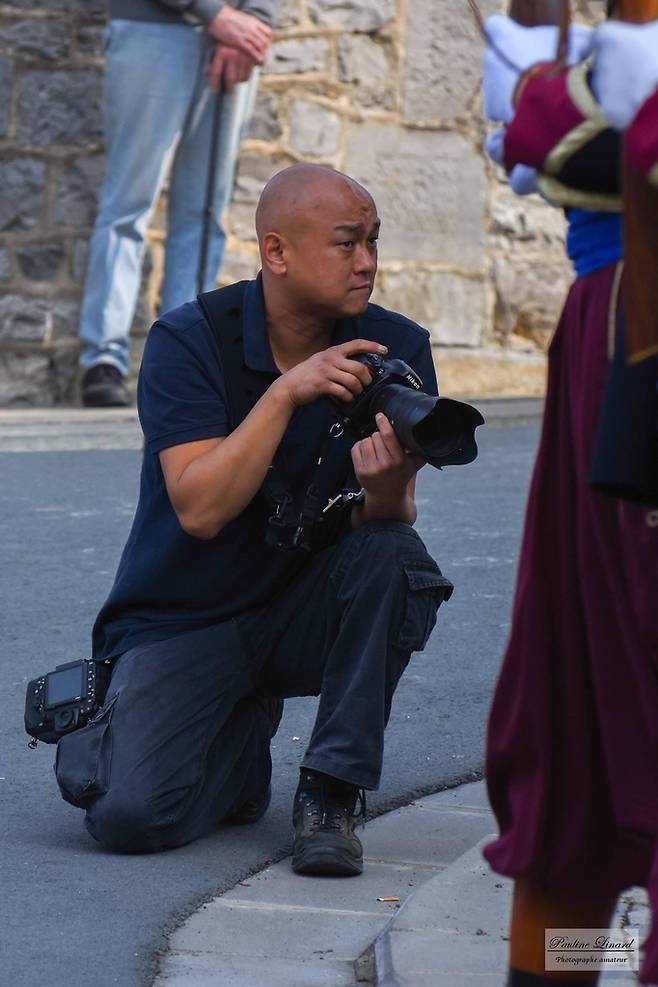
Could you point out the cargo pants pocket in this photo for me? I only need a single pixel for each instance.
(82, 762)
(426, 589)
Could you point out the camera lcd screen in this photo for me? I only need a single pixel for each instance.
(64, 686)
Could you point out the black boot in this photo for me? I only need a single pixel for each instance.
(323, 817)
(517, 978)
(254, 809)
(104, 386)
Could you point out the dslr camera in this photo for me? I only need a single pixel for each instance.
(63, 700)
(440, 430)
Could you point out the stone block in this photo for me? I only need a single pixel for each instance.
(265, 124)
(60, 107)
(314, 130)
(45, 5)
(65, 314)
(63, 375)
(366, 65)
(297, 55)
(239, 265)
(40, 261)
(6, 264)
(25, 379)
(24, 319)
(254, 171)
(443, 64)
(526, 219)
(430, 189)
(90, 40)
(21, 203)
(451, 307)
(79, 256)
(5, 94)
(77, 190)
(38, 39)
(289, 14)
(529, 297)
(88, 8)
(490, 373)
(354, 15)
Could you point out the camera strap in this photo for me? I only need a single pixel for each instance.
(244, 387)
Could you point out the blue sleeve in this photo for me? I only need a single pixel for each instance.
(180, 396)
(423, 363)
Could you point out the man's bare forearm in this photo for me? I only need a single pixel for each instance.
(403, 510)
(217, 486)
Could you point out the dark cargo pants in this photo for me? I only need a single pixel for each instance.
(182, 739)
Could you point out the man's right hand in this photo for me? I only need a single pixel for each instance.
(330, 373)
(227, 68)
(242, 31)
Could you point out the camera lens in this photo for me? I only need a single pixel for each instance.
(439, 429)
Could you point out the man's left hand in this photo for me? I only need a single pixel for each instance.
(385, 472)
(229, 66)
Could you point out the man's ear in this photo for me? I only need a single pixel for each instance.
(273, 252)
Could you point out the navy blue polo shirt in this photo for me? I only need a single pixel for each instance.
(168, 582)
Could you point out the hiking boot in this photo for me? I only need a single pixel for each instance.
(274, 709)
(103, 386)
(254, 809)
(324, 820)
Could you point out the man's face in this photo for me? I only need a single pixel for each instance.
(331, 261)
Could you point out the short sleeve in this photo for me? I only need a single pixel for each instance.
(180, 393)
(423, 363)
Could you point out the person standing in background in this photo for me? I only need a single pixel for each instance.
(164, 61)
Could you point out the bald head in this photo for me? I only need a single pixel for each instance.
(317, 233)
(299, 197)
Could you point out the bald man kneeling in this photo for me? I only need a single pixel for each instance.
(270, 556)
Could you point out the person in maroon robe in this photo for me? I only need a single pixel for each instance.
(572, 746)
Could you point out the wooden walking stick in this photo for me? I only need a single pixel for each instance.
(535, 13)
(640, 231)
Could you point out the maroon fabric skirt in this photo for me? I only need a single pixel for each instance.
(572, 755)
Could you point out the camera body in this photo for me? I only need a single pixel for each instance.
(359, 415)
(63, 700)
(440, 430)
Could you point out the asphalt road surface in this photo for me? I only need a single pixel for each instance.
(74, 914)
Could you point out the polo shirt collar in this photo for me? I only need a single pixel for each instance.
(257, 349)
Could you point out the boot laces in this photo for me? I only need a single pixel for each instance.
(331, 810)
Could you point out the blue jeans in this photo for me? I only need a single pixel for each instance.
(158, 120)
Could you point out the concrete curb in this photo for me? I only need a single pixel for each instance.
(78, 429)
(285, 931)
(451, 932)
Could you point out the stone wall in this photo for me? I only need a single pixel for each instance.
(386, 90)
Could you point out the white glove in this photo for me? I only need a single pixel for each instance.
(522, 179)
(525, 47)
(625, 68)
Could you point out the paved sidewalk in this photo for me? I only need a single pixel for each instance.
(448, 928)
(281, 930)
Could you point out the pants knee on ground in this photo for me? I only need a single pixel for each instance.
(127, 822)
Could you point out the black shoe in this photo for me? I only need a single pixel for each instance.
(274, 709)
(254, 809)
(323, 817)
(251, 811)
(103, 386)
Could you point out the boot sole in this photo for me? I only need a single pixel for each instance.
(247, 817)
(104, 398)
(326, 862)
